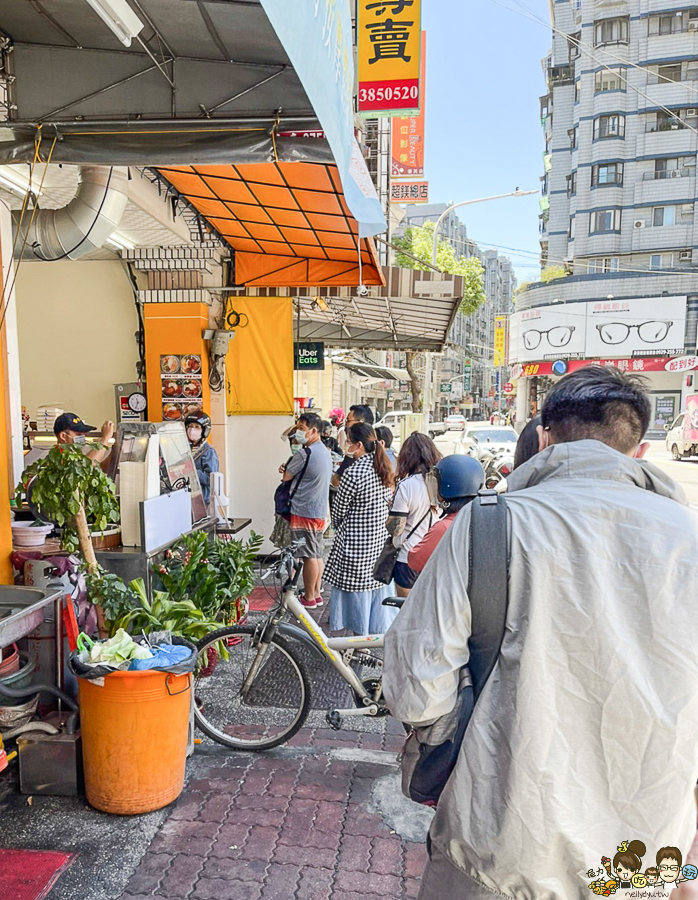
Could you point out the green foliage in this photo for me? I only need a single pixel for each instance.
(65, 480)
(551, 273)
(182, 617)
(109, 591)
(234, 561)
(188, 574)
(418, 241)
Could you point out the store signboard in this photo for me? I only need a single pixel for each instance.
(682, 364)
(500, 340)
(629, 329)
(407, 143)
(549, 332)
(648, 327)
(457, 390)
(409, 192)
(388, 50)
(309, 355)
(445, 387)
(638, 366)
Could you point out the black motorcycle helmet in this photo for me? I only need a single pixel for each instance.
(199, 418)
(458, 477)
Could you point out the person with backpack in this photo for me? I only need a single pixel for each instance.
(583, 734)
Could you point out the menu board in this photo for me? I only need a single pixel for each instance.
(182, 385)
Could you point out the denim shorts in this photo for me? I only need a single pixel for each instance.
(404, 576)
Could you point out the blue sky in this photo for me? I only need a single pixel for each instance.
(483, 133)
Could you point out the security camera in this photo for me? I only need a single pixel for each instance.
(362, 291)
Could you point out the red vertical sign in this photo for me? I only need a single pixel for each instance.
(407, 154)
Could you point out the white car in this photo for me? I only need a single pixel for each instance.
(455, 422)
(675, 442)
(392, 421)
(483, 438)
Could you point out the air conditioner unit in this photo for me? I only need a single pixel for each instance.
(692, 113)
(693, 25)
(675, 173)
(686, 256)
(639, 223)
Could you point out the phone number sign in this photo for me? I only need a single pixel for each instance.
(389, 45)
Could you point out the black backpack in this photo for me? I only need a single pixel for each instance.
(430, 753)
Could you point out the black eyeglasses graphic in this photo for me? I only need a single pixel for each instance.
(559, 336)
(651, 332)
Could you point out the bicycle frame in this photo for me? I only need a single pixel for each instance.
(331, 648)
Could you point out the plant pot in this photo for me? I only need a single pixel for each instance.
(22, 678)
(9, 660)
(107, 539)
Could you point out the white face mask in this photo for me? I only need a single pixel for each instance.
(194, 434)
(301, 437)
(79, 440)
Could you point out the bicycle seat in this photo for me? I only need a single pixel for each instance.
(397, 602)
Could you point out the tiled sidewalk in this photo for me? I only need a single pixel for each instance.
(318, 820)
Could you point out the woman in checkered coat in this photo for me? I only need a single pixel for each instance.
(359, 514)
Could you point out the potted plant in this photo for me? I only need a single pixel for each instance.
(68, 489)
(234, 562)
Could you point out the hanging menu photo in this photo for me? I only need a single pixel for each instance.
(182, 386)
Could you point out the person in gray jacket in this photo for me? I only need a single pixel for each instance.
(586, 734)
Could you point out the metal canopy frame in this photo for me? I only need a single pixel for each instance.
(197, 66)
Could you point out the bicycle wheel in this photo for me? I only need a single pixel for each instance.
(277, 702)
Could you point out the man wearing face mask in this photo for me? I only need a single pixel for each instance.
(311, 468)
(198, 426)
(70, 429)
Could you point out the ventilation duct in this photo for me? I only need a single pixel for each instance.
(84, 224)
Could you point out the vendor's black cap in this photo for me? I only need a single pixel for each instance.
(70, 422)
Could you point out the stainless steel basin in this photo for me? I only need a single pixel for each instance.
(22, 610)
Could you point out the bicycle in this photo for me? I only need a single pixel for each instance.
(254, 691)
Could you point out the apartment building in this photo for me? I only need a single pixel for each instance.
(618, 205)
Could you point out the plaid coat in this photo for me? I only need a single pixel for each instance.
(359, 514)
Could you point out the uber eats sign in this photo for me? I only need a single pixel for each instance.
(308, 355)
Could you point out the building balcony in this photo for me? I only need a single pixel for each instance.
(680, 188)
(672, 142)
(558, 75)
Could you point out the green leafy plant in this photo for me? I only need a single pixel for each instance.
(188, 574)
(109, 591)
(182, 617)
(234, 562)
(70, 490)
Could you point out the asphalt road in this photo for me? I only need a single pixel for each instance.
(685, 471)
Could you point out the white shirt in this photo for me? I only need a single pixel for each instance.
(411, 500)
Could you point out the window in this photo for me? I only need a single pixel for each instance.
(609, 127)
(662, 261)
(607, 173)
(573, 137)
(611, 31)
(571, 231)
(672, 23)
(666, 122)
(576, 91)
(663, 216)
(573, 42)
(609, 80)
(572, 184)
(603, 264)
(604, 220)
(664, 73)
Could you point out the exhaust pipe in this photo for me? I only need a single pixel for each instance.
(84, 224)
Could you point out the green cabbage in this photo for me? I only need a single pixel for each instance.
(118, 649)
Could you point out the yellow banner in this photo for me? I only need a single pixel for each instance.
(259, 364)
(389, 38)
(500, 339)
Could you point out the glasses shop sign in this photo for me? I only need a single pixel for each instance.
(309, 355)
(647, 327)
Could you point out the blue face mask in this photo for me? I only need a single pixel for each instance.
(80, 440)
(301, 437)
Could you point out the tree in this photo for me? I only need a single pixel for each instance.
(417, 244)
(551, 273)
(414, 251)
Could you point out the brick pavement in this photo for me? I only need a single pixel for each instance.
(301, 823)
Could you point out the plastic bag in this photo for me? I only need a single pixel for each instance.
(100, 670)
(164, 656)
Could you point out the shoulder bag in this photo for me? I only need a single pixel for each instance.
(430, 753)
(286, 491)
(385, 564)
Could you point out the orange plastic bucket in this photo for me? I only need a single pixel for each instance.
(134, 739)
